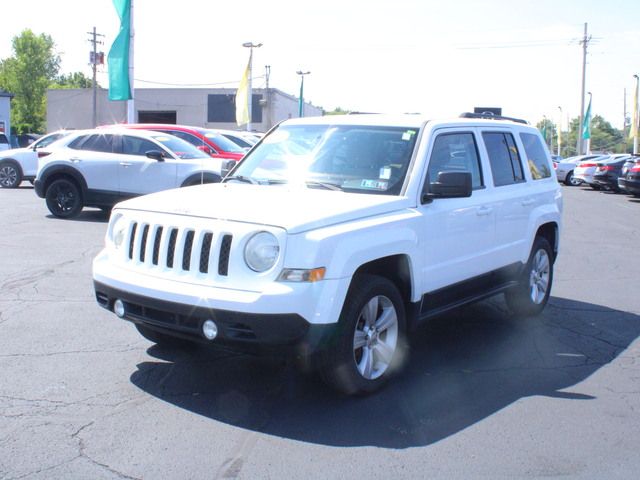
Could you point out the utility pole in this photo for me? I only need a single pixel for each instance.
(95, 60)
(585, 42)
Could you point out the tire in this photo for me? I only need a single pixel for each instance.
(10, 175)
(571, 181)
(370, 339)
(64, 198)
(531, 294)
(595, 187)
(162, 339)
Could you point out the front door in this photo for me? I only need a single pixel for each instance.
(139, 174)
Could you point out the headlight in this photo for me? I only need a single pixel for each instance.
(261, 252)
(118, 230)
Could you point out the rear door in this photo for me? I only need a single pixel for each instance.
(94, 156)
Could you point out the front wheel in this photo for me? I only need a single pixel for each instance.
(64, 199)
(531, 294)
(369, 344)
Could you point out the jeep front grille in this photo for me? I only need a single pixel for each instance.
(179, 249)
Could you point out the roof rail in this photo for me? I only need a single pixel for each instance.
(491, 116)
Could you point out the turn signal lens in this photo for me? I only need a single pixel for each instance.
(302, 275)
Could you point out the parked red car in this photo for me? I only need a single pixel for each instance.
(208, 141)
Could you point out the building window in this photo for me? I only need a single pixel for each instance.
(221, 108)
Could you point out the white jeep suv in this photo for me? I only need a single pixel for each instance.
(101, 167)
(336, 236)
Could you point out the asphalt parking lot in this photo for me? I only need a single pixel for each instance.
(83, 396)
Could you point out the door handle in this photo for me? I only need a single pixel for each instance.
(484, 211)
(75, 159)
(125, 164)
(527, 202)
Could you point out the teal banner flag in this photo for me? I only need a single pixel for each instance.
(118, 59)
(586, 124)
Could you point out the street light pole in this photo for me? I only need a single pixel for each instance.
(250, 46)
(301, 101)
(635, 119)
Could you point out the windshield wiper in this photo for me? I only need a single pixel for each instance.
(243, 179)
(325, 185)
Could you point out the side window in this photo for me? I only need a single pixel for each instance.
(138, 146)
(504, 158)
(536, 156)
(98, 142)
(3, 139)
(455, 152)
(47, 140)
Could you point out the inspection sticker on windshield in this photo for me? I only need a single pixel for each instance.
(374, 184)
(408, 134)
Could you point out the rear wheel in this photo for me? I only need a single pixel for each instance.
(369, 344)
(64, 199)
(572, 181)
(531, 294)
(10, 175)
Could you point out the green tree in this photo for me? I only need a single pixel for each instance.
(72, 80)
(28, 74)
(604, 137)
(336, 111)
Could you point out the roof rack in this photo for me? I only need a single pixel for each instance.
(491, 116)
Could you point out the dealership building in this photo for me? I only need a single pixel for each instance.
(201, 107)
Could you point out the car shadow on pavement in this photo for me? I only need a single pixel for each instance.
(91, 216)
(464, 367)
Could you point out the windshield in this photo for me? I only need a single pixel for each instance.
(179, 147)
(360, 159)
(223, 142)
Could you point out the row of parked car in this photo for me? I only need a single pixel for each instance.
(617, 172)
(72, 169)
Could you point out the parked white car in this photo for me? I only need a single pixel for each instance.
(100, 167)
(20, 164)
(566, 168)
(336, 236)
(585, 170)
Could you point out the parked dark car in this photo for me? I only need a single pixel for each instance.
(606, 173)
(631, 181)
(626, 166)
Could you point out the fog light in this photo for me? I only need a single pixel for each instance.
(118, 308)
(209, 329)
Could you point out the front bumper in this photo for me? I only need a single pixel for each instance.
(284, 333)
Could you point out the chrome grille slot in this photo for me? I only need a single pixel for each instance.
(172, 247)
(156, 246)
(143, 242)
(205, 252)
(132, 237)
(186, 254)
(223, 259)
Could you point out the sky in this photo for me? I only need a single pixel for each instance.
(438, 58)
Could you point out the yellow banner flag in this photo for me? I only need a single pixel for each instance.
(242, 99)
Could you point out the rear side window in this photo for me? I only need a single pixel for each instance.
(455, 152)
(3, 139)
(504, 158)
(536, 156)
(99, 142)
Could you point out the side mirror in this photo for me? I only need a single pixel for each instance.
(155, 155)
(450, 185)
(205, 148)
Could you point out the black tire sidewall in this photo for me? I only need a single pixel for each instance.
(51, 201)
(519, 297)
(338, 367)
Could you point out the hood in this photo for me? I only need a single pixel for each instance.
(13, 151)
(296, 209)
